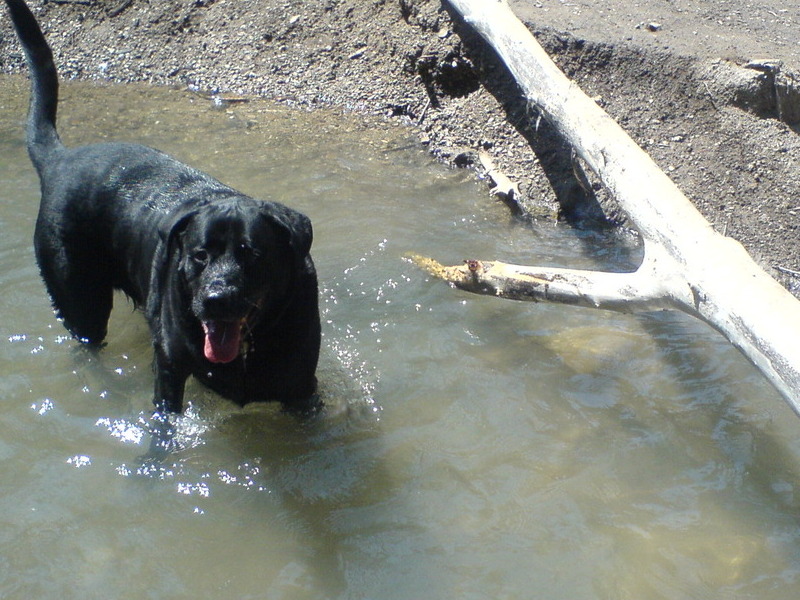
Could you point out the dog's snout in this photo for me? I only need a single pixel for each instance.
(220, 302)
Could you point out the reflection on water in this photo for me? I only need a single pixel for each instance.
(472, 448)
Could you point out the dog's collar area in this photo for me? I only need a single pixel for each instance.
(248, 342)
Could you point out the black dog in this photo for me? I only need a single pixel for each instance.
(225, 281)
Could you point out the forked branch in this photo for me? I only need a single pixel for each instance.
(687, 266)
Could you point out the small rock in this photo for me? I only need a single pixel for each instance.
(651, 26)
(772, 65)
(464, 159)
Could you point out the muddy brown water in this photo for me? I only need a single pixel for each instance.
(472, 447)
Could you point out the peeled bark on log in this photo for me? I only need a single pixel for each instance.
(687, 265)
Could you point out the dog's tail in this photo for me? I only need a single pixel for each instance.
(42, 135)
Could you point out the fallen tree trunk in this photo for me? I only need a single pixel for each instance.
(687, 265)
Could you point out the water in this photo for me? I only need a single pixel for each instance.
(472, 447)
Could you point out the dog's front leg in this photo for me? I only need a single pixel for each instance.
(170, 383)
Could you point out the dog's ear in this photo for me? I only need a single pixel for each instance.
(294, 223)
(171, 230)
(167, 261)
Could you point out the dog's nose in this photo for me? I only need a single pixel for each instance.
(220, 303)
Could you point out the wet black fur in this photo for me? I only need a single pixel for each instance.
(182, 245)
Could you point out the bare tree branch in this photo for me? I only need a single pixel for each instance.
(687, 265)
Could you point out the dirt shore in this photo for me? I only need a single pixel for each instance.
(710, 90)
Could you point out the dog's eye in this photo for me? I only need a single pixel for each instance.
(200, 256)
(248, 252)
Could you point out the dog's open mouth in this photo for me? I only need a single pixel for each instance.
(223, 340)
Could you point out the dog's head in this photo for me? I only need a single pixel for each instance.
(238, 260)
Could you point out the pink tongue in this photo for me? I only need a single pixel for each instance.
(223, 340)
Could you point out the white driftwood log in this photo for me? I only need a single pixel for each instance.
(687, 265)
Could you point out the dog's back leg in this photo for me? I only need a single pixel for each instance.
(81, 292)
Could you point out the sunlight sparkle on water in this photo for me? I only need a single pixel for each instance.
(79, 461)
(123, 430)
(45, 406)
